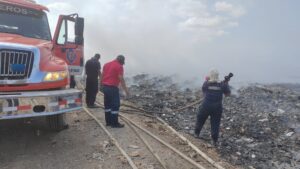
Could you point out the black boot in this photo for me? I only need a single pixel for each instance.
(216, 144)
(108, 118)
(115, 121)
(196, 133)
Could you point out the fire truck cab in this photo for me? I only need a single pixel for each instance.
(34, 67)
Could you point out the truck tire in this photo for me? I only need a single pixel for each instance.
(57, 122)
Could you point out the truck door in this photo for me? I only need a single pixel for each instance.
(68, 42)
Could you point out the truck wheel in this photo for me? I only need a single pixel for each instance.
(57, 122)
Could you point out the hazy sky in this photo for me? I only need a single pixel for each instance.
(259, 41)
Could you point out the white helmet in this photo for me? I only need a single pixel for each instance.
(213, 75)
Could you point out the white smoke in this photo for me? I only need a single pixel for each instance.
(165, 37)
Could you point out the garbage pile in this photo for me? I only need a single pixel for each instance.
(260, 127)
(160, 94)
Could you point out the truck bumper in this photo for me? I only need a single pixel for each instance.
(15, 105)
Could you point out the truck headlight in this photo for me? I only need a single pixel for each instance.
(55, 76)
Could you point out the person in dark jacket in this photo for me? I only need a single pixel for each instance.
(213, 91)
(72, 82)
(112, 77)
(93, 71)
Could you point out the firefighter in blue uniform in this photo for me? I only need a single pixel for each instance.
(213, 91)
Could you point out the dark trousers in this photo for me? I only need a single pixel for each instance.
(111, 104)
(72, 82)
(91, 90)
(213, 110)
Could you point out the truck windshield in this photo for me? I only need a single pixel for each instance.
(26, 25)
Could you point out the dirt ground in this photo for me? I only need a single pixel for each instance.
(27, 144)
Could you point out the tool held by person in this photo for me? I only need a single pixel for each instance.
(227, 78)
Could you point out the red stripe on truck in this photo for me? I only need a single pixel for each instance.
(78, 100)
(24, 107)
(62, 102)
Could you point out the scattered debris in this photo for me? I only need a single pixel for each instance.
(193, 154)
(261, 123)
(135, 154)
(134, 147)
(123, 159)
(107, 144)
(289, 134)
(98, 156)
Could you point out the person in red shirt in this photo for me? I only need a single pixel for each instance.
(112, 77)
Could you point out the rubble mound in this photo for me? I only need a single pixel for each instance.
(260, 126)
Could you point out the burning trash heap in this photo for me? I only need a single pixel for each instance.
(260, 125)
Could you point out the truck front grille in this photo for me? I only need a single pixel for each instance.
(15, 64)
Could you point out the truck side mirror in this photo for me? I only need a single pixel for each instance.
(79, 26)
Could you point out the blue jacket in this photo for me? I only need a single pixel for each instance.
(213, 91)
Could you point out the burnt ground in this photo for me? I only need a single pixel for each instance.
(260, 126)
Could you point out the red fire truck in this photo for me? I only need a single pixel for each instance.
(34, 67)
